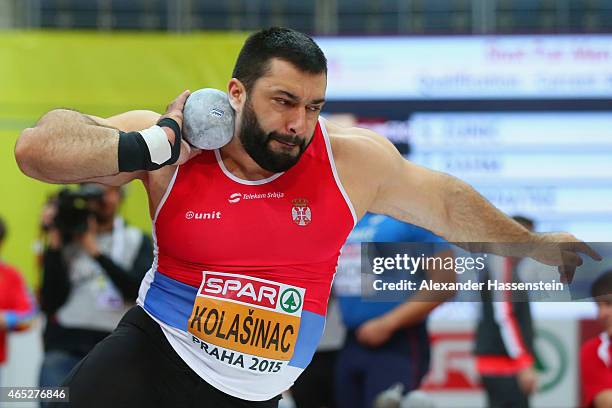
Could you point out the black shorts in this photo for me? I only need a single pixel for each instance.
(315, 387)
(136, 367)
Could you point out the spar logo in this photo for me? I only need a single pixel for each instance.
(290, 300)
(300, 212)
(243, 290)
(253, 291)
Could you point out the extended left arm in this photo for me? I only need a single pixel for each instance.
(455, 211)
(447, 206)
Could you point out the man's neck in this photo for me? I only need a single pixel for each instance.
(238, 162)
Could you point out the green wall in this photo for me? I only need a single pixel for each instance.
(98, 73)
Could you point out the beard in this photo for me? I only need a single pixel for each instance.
(257, 142)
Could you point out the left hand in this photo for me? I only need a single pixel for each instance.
(561, 249)
(88, 239)
(374, 332)
(528, 380)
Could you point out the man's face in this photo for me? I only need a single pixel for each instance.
(106, 208)
(604, 313)
(279, 115)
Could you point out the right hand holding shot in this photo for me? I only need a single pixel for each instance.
(174, 111)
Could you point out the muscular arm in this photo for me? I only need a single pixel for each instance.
(436, 201)
(441, 203)
(450, 207)
(67, 146)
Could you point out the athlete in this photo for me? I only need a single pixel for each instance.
(234, 305)
(504, 344)
(387, 341)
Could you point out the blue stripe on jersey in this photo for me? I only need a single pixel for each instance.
(170, 301)
(311, 330)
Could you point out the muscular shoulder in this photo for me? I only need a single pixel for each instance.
(364, 160)
(362, 149)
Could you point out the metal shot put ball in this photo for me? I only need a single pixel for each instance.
(208, 119)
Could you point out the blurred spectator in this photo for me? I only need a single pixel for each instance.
(595, 355)
(92, 267)
(504, 336)
(17, 307)
(386, 341)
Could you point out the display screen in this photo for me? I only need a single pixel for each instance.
(526, 120)
(564, 66)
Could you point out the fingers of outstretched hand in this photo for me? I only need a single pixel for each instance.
(567, 273)
(570, 260)
(584, 248)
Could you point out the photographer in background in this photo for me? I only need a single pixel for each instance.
(92, 267)
(17, 307)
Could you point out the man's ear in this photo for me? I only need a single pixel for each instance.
(236, 93)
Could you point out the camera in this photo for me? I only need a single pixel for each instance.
(74, 208)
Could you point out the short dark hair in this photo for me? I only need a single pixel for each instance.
(602, 286)
(277, 42)
(2, 229)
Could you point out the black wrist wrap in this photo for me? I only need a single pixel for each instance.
(176, 147)
(134, 153)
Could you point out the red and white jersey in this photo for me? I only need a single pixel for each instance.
(595, 368)
(16, 303)
(243, 269)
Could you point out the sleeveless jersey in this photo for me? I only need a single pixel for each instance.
(243, 269)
